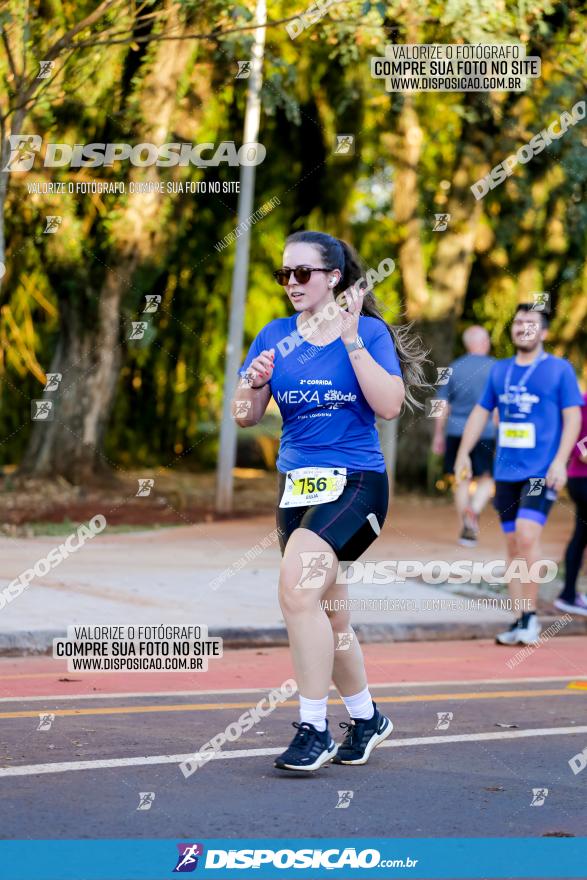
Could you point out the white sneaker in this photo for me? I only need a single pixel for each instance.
(521, 635)
(530, 634)
(510, 636)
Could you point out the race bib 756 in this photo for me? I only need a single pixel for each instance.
(308, 486)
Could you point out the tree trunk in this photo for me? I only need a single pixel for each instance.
(88, 358)
(89, 352)
(434, 303)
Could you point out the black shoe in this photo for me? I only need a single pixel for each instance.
(362, 737)
(525, 631)
(470, 532)
(308, 750)
(468, 537)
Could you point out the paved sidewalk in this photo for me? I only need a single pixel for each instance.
(167, 576)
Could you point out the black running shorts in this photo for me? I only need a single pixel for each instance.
(522, 499)
(343, 523)
(481, 456)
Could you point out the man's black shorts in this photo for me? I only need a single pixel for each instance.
(481, 456)
(522, 499)
(342, 523)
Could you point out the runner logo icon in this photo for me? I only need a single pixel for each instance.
(45, 68)
(188, 857)
(444, 719)
(539, 795)
(345, 144)
(435, 408)
(138, 329)
(45, 721)
(444, 374)
(536, 485)
(23, 148)
(241, 408)
(314, 569)
(42, 410)
(441, 222)
(540, 301)
(153, 301)
(344, 800)
(244, 70)
(146, 799)
(52, 223)
(345, 640)
(53, 380)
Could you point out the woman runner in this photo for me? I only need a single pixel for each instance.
(570, 599)
(331, 372)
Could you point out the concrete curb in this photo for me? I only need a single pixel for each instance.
(21, 643)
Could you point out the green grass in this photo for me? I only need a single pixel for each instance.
(67, 527)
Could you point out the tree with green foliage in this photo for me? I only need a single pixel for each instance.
(165, 72)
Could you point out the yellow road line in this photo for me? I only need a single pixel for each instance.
(206, 707)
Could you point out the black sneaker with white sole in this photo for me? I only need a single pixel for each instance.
(470, 532)
(308, 750)
(468, 537)
(362, 737)
(525, 631)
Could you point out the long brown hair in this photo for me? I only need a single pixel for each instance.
(339, 254)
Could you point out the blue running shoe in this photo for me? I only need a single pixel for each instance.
(362, 737)
(308, 750)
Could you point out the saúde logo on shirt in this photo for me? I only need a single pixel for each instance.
(339, 396)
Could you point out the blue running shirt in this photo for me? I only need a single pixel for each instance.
(326, 420)
(465, 384)
(550, 388)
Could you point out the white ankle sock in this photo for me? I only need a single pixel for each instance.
(360, 705)
(313, 712)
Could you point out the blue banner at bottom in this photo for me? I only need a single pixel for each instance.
(285, 858)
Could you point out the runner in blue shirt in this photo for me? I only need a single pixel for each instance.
(538, 400)
(331, 370)
(466, 380)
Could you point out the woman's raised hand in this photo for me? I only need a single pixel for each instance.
(260, 369)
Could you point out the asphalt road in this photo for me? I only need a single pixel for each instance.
(510, 732)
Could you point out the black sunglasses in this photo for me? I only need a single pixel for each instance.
(302, 274)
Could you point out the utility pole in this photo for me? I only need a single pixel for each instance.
(240, 273)
(388, 439)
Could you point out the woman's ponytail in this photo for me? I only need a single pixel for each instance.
(411, 354)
